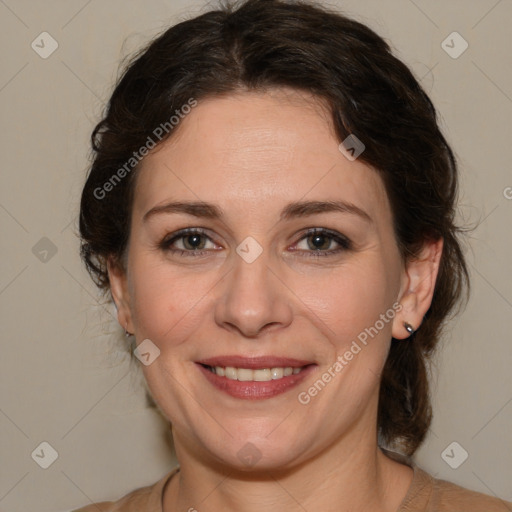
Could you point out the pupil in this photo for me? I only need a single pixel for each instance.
(317, 241)
(196, 241)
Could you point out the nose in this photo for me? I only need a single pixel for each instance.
(253, 299)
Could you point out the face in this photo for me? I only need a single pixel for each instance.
(292, 263)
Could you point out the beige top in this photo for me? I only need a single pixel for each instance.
(425, 494)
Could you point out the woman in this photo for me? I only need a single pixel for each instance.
(271, 207)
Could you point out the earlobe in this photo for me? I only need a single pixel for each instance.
(119, 290)
(419, 281)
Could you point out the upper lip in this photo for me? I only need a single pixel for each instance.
(254, 362)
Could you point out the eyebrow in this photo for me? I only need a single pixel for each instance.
(292, 210)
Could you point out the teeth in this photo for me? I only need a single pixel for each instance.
(276, 373)
(259, 375)
(231, 373)
(243, 374)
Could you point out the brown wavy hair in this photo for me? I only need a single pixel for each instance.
(255, 45)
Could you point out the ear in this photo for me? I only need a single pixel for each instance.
(418, 284)
(119, 290)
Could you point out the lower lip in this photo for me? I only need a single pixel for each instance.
(255, 390)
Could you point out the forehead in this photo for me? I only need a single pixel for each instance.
(250, 149)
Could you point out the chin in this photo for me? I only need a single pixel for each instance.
(255, 454)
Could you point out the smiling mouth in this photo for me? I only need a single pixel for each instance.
(254, 375)
(258, 382)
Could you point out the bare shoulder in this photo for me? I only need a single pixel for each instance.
(450, 497)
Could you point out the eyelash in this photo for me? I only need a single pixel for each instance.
(345, 244)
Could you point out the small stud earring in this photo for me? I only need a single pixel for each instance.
(126, 333)
(409, 328)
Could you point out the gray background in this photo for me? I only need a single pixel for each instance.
(64, 376)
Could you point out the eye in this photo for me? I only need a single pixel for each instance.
(319, 242)
(316, 242)
(187, 242)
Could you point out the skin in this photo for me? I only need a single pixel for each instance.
(252, 154)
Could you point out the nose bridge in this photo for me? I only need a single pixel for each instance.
(252, 297)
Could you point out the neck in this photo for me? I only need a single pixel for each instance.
(347, 477)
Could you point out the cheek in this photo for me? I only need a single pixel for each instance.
(169, 302)
(164, 300)
(349, 299)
